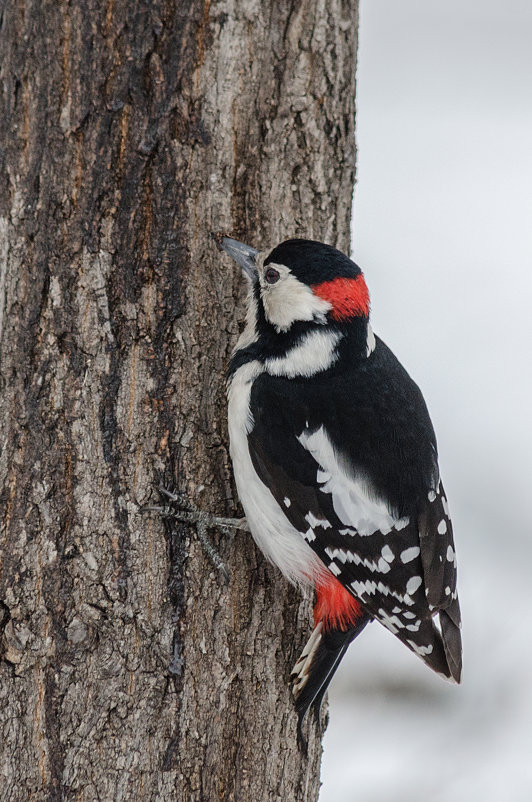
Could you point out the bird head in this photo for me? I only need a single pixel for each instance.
(301, 281)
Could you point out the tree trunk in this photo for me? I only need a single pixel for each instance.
(129, 130)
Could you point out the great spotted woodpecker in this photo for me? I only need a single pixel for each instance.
(335, 463)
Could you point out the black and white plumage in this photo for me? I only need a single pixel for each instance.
(335, 462)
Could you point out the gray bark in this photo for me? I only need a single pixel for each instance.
(129, 130)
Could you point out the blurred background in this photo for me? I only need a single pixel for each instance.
(442, 228)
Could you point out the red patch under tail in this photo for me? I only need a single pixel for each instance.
(335, 606)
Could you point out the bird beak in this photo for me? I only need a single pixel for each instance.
(244, 255)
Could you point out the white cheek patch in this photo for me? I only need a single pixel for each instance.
(289, 300)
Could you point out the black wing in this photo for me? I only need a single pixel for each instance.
(376, 463)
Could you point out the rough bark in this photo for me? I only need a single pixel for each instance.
(129, 130)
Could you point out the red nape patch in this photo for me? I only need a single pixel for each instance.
(335, 606)
(348, 297)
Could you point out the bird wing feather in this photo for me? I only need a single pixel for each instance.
(399, 566)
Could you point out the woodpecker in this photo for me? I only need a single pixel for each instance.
(336, 464)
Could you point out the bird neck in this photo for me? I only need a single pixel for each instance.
(306, 349)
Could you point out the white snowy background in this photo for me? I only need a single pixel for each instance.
(443, 231)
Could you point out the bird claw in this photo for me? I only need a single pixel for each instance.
(179, 508)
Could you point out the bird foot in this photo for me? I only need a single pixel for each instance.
(179, 508)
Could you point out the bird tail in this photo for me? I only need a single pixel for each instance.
(319, 660)
(452, 639)
(439, 647)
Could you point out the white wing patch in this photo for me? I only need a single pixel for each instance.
(352, 500)
(311, 519)
(369, 587)
(410, 554)
(349, 556)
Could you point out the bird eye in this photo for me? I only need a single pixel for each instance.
(271, 275)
